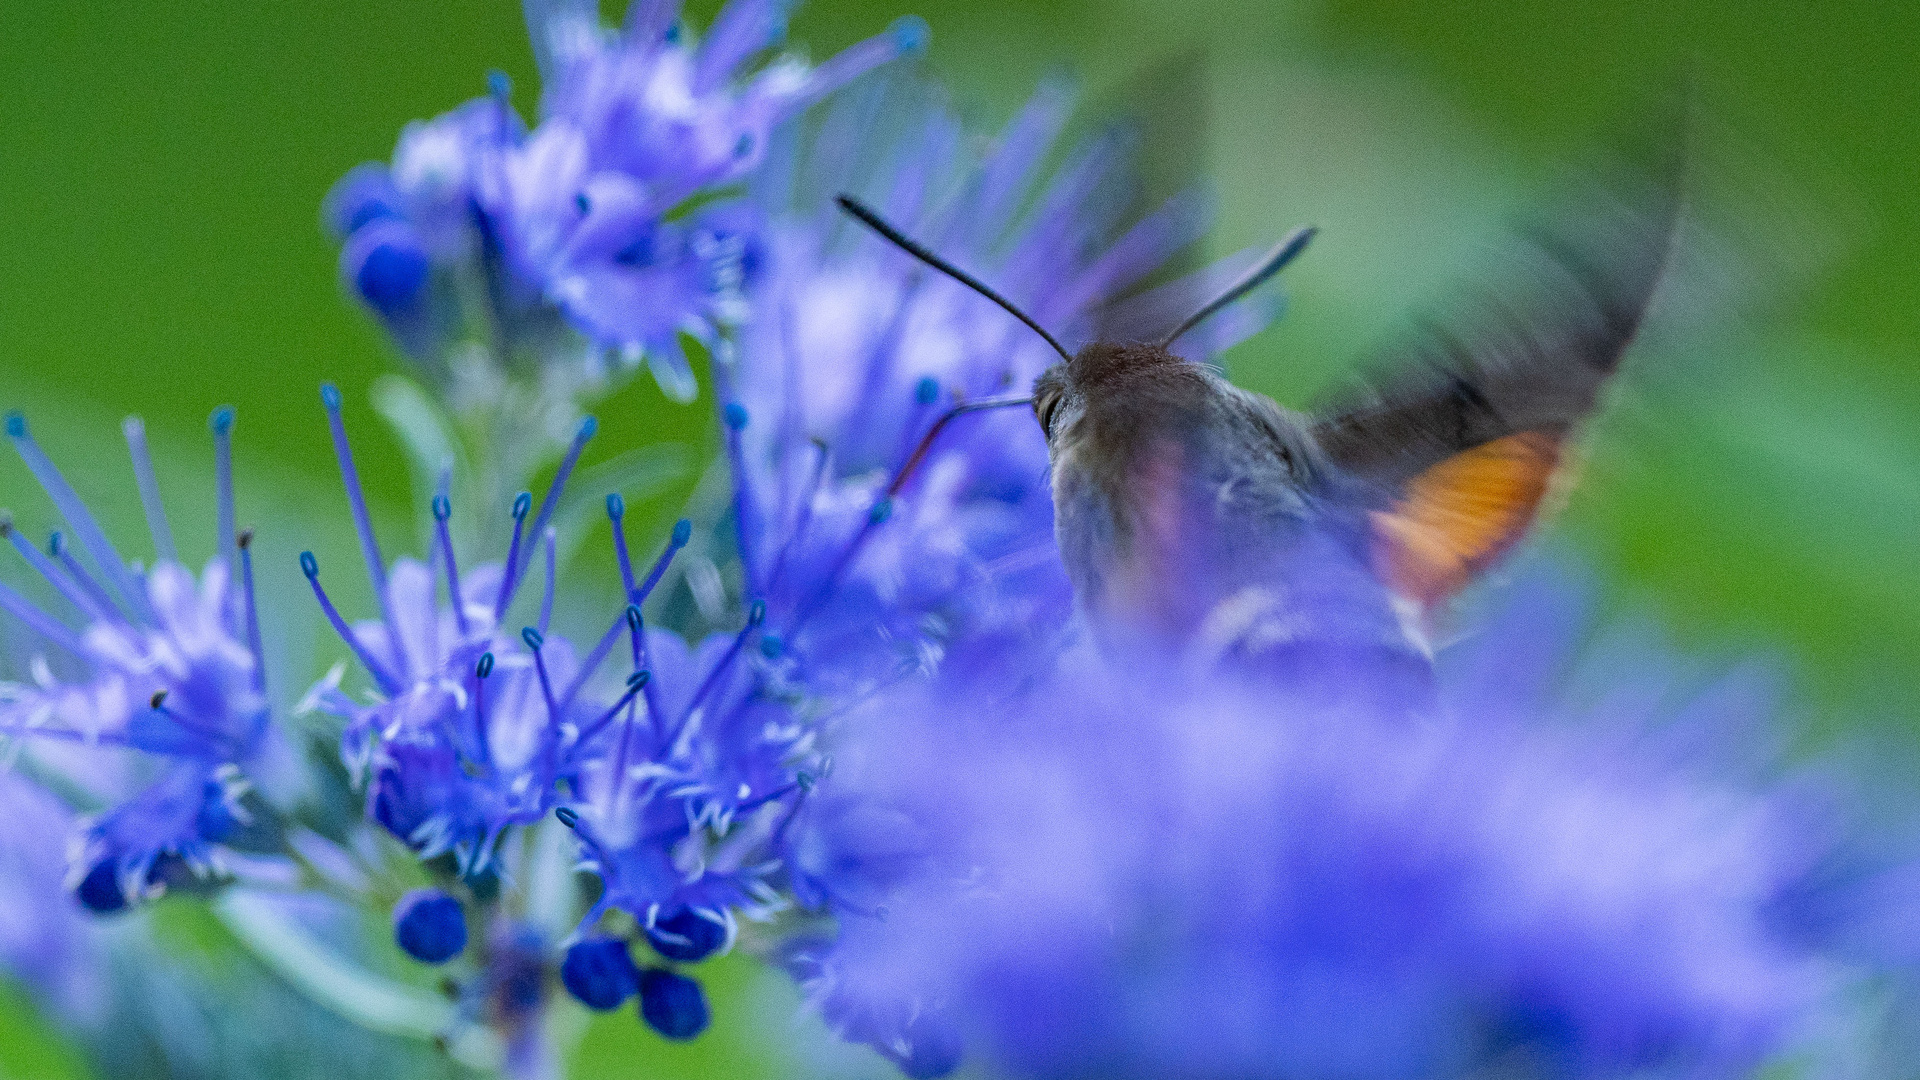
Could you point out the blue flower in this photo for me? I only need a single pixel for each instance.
(166, 670)
(1138, 870)
(473, 725)
(570, 221)
(676, 782)
(680, 815)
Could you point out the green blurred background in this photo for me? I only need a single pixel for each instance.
(1757, 484)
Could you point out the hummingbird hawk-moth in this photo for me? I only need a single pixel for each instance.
(1178, 495)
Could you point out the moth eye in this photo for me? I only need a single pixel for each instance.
(1044, 409)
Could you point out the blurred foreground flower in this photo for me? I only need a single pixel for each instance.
(1132, 870)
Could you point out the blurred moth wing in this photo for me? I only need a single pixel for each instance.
(1467, 439)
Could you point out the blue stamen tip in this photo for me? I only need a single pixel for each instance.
(16, 425)
(616, 506)
(522, 503)
(743, 146)
(756, 613)
(672, 35)
(910, 34)
(639, 679)
(330, 396)
(567, 816)
(588, 425)
(633, 617)
(499, 84)
(682, 532)
(881, 511)
(485, 667)
(532, 637)
(926, 391)
(222, 420)
(771, 646)
(583, 204)
(442, 508)
(736, 415)
(309, 565)
(55, 542)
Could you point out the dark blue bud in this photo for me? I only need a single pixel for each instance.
(567, 815)
(743, 146)
(16, 425)
(771, 646)
(639, 679)
(682, 532)
(532, 637)
(499, 84)
(756, 613)
(926, 391)
(391, 276)
(633, 617)
(881, 511)
(686, 936)
(442, 508)
(56, 543)
(672, 1005)
(429, 926)
(330, 396)
(309, 565)
(616, 506)
(583, 204)
(100, 891)
(805, 780)
(222, 420)
(910, 35)
(672, 35)
(485, 667)
(522, 503)
(600, 973)
(735, 415)
(588, 425)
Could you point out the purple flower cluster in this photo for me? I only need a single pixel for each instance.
(483, 232)
(155, 707)
(1197, 876)
(676, 778)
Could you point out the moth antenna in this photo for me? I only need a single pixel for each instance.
(1283, 253)
(900, 240)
